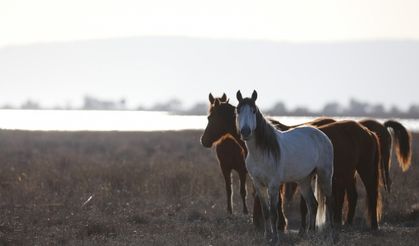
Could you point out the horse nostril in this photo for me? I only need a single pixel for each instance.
(245, 131)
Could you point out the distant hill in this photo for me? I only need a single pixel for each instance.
(157, 69)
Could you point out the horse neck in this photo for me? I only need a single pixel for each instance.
(265, 136)
(235, 134)
(237, 137)
(231, 131)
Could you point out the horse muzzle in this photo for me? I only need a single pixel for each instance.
(206, 143)
(245, 133)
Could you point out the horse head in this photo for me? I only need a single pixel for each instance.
(246, 115)
(221, 120)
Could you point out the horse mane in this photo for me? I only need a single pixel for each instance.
(265, 136)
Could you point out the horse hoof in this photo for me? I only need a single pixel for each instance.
(268, 236)
(259, 227)
(273, 241)
(301, 232)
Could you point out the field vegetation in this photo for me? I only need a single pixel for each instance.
(155, 188)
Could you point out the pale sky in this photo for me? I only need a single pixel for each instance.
(24, 22)
(29, 21)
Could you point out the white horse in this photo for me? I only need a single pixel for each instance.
(277, 157)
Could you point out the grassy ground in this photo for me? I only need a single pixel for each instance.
(156, 188)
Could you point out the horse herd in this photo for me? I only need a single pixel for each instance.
(323, 154)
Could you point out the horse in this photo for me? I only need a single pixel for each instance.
(231, 150)
(275, 157)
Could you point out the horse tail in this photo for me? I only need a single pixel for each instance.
(323, 189)
(321, 202)
(402, 143)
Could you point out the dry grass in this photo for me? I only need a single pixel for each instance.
(156, 188)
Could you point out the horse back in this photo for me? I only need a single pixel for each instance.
(349, 128)
(306, 139)
(303, 150)
(353, 145)
(321, 121)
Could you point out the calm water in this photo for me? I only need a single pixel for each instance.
(79, 120)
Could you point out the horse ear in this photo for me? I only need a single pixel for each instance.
(239, 96)
(211, 98)
(254, 95)
(216, 102)
(224, 98)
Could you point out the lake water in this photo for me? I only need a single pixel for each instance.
(79, 120)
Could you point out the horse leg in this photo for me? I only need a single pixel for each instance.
(282, 221)
(273, 191)
(370, 183)
(330, 207)
(227, 179)
(290, 189)
(352, 200)
(257, 214)
(261, 193)
(339, 192)
(303, 213)
(307, 193)
(243, 191)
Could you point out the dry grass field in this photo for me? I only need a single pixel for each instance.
(154, 188)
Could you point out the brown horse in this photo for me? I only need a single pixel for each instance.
(231, 151)
(356, 149)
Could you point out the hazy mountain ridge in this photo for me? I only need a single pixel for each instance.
(155, 69)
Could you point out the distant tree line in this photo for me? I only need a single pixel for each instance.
(354, 108)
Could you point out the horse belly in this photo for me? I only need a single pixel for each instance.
(299, 165)
(296, 172)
